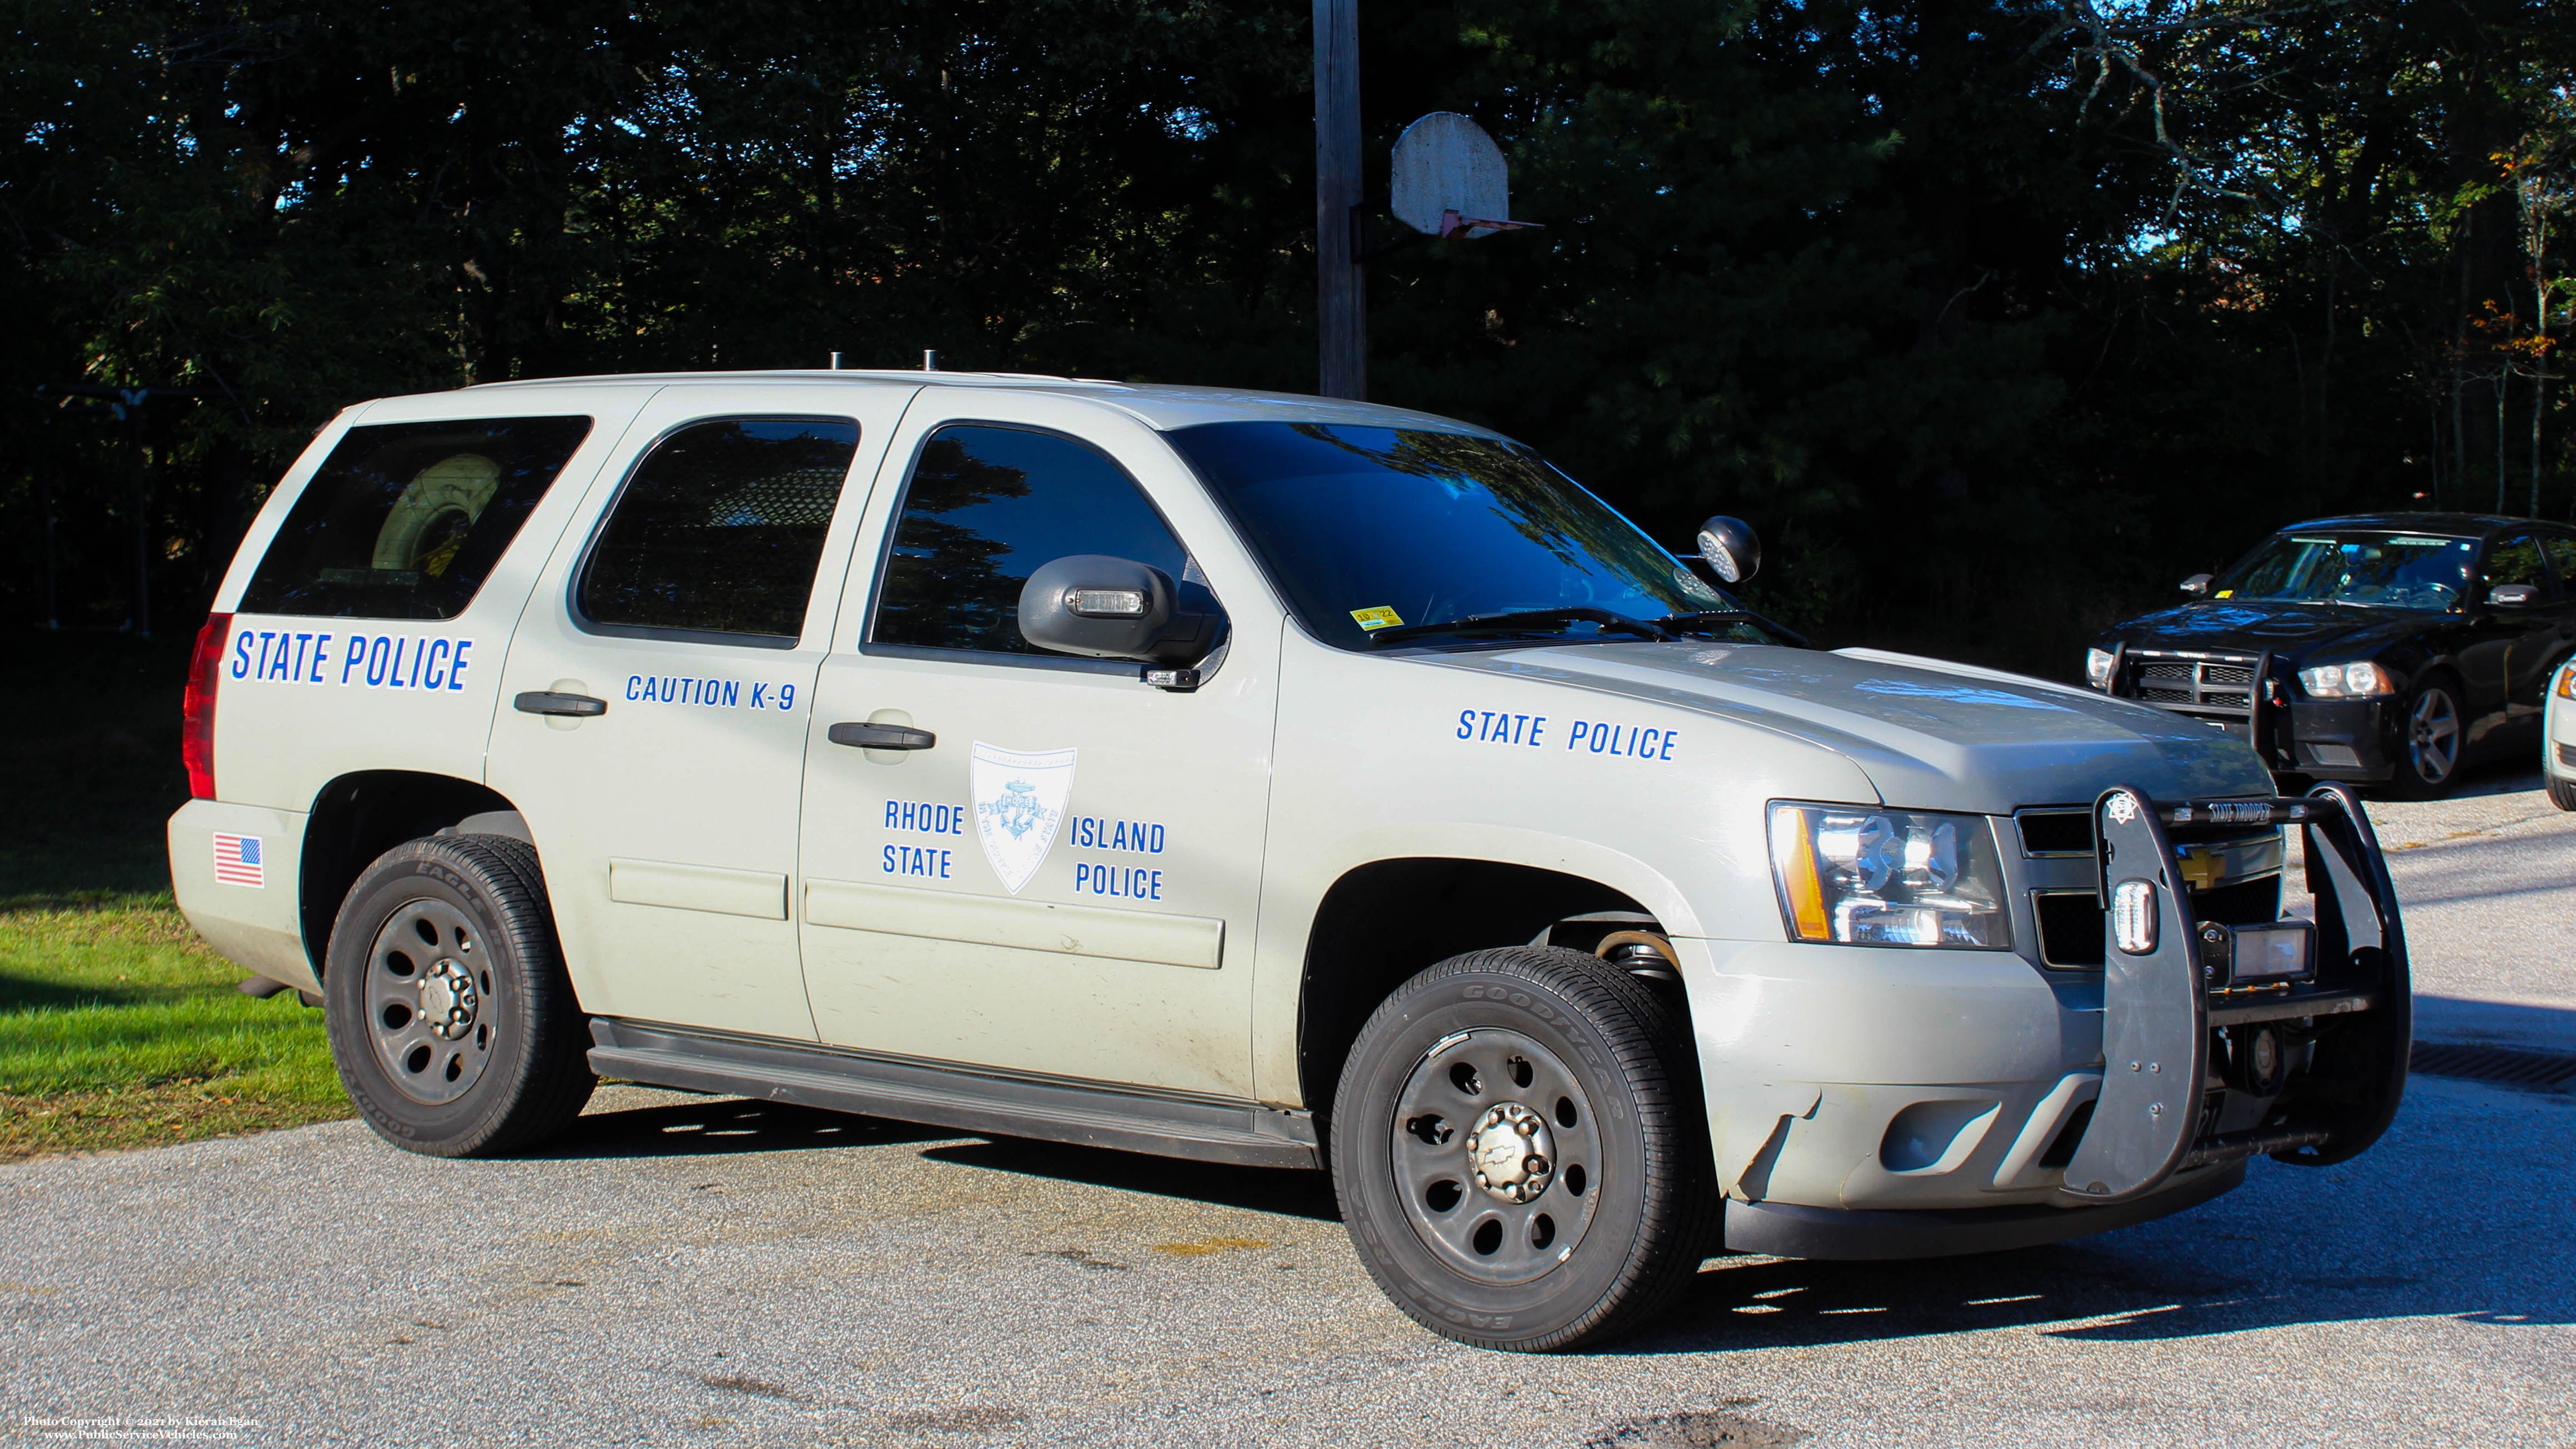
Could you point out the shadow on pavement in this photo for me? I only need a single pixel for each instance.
(2507, 776)
(2372, 1239)
(2467, 1021)
(709, 1125)
(1287, 1191)
(724, 1124)
(2095, 1294)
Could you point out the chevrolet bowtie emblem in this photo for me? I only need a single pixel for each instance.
(2201, 869)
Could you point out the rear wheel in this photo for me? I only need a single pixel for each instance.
(451, 1020)
(1518, 1151)
(2432, 732)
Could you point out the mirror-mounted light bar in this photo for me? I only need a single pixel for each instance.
(1106, 603)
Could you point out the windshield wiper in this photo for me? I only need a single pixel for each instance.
(1522, 618)
(1687, 623)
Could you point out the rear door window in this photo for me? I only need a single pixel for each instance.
(719, 530)
(406, 520)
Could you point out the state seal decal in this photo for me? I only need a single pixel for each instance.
(1019, 804)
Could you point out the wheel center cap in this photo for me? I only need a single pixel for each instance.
(447, 999)
(1510, 1153)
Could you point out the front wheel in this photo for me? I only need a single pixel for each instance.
(2562, 793)
(1518, 1151)
(2429, 747)
(450, 1017)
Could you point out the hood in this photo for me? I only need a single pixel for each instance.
(2227, 627)
(1930, 735)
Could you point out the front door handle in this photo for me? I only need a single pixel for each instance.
(881, 736)
(546, 701)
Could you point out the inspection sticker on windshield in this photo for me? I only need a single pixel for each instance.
(1380, 617)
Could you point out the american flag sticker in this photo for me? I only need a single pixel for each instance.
(237, 860)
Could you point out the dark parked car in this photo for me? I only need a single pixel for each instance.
(2380, 648)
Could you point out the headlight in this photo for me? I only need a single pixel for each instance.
(2567, 681)
(2345, 681)
(1868, 877)
(2098, 664)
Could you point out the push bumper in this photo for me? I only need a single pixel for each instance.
(1951, 1101)
(2211, 1054)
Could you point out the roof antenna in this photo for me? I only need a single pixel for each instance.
(930, 359)
(836, 362)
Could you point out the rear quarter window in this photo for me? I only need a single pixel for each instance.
(406, 520)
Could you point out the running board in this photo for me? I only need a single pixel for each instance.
(982, 1102)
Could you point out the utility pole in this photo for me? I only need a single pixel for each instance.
(1341, 295)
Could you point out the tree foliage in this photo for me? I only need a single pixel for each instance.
(1994, 316)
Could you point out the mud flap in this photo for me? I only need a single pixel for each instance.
(2155, 1021)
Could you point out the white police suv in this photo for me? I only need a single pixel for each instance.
(1249, 778)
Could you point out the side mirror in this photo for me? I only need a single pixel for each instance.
(2513, 596)
(1115, 608)
(2198, 585)
(1730, 549)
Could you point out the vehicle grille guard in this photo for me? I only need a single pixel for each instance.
(2160, 1009)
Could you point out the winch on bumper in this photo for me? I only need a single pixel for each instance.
(2286, 1039)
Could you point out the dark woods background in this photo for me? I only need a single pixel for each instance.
(1996, 318)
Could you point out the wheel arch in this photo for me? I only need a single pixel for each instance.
(361, 815)
(1381, 923)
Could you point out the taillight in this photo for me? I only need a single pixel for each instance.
(197, 710)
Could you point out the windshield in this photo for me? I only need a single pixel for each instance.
(1390, 528)
(2424, 572)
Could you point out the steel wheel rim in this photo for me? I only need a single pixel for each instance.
(1483, 1088)
(428, 1000)
(2433, 736)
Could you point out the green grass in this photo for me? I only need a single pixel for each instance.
(118, 1027)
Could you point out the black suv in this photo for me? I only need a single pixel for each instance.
(2383, 647)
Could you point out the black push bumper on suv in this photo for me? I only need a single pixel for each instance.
(2221, 1042)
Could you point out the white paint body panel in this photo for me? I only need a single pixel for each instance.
(668, 825)
(2558, 726)
(968, 984)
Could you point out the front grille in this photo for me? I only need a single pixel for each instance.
(2070, 921)
(2070, 927)
(2567, 756)
(2204, 686)
(2056, 832)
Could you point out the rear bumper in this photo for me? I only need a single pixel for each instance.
(1791, 1231)
(258, 927)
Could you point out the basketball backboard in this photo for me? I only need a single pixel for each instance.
(1450, 179)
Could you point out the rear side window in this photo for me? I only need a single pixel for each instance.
(987, 506)
(2562, 557)
(406, 520)
(720, 528)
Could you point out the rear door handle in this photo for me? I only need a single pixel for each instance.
(881, 736)
(546, 701)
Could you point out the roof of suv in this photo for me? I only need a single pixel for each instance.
(1163, 406)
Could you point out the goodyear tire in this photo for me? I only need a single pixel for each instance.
(451, 1021)
(1518, 1150)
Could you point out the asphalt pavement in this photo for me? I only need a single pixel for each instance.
(698, 1271)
